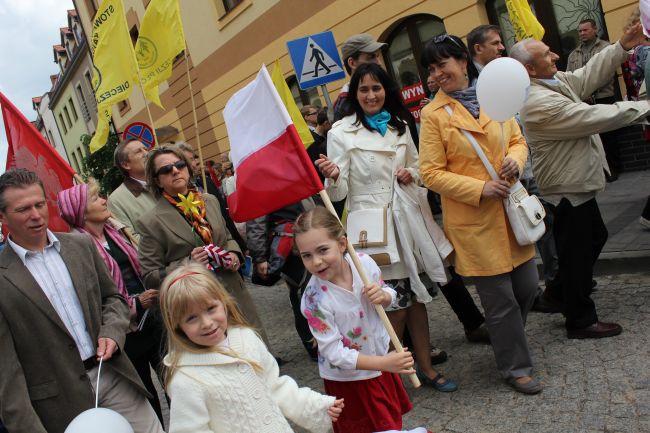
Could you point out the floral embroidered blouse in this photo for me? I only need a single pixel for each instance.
(345, 323)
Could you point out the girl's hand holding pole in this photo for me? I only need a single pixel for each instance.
(398, 362)
(377, 295)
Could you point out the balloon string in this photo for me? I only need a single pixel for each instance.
(99, 371)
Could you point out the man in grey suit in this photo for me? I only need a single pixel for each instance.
(60, 313)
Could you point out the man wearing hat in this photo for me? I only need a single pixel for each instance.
(357, 50)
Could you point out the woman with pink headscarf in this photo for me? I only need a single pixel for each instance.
(85, 210)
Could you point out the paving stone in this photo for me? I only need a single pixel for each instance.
(591, 385)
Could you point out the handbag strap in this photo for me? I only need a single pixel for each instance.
(477, 148)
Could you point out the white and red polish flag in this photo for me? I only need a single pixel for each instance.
(271, 164)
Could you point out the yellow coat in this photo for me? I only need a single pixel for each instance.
(478, 228)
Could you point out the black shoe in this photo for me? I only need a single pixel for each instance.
(596, 330)
(544, 305)
(438, 356)
(611, 177)
(478, 335)
(312, 349)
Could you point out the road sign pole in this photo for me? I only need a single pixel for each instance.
(328, 101)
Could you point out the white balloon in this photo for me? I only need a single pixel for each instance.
(99, 420)
(502, 88)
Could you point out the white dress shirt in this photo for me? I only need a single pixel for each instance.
(52, 275)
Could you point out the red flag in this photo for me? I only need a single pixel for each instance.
(271, 164)
(28, 149)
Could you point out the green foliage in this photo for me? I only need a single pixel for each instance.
(99, 165)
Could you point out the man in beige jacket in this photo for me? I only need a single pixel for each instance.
(568, 161)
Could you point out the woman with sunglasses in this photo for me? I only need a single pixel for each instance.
(181, 224)
(86, 212)
(475, 221)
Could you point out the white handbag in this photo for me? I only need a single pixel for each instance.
(525, 212)
(371, 231)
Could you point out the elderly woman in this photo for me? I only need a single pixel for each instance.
(472, 203)
(85, 210)
(367, 151)
(182, 223)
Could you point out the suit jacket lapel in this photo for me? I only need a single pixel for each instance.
(20, 277)
(173, 220)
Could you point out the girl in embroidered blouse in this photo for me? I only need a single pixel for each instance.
(352, 342)
(219, 374)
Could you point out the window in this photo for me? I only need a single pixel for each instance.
(560, 23)
(230, 4)
(303, 97)
(67, 116)
(50, 138)
(74, 110)
(65, 130)
(403, 54)
(75, 162)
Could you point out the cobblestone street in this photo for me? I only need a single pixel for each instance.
(591, 385)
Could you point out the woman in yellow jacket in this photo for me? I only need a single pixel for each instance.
(474, 218)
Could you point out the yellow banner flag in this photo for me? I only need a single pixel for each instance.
(286, 96)
(114, 64)
(161, 39)
(524, 21)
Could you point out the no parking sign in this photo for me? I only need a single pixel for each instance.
(140, 131)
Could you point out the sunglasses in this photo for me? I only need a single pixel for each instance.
(166, 169)
(445, 37)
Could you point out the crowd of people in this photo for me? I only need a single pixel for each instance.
(151, 278)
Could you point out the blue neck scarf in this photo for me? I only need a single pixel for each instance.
(467, 97)
(379, 121)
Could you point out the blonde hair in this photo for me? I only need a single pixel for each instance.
(633, 19)
(319, 218)
(182, 289)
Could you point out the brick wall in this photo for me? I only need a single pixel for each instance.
(635, 151)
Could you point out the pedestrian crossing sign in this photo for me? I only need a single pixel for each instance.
(316, 60)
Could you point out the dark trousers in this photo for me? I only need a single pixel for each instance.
(144, 349)
(296, 277)
(580, 235)
(461, 302)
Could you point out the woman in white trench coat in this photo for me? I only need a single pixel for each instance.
(367, 151)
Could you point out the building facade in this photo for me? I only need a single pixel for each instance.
(229, 40)
(46, 124)
(72, 101)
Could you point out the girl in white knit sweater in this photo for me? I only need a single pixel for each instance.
(219, 374)
(353, 357)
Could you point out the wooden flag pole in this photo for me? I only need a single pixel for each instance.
(196, 122)
(380, 310)
(146, 105)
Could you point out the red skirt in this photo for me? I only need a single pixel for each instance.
(371, 405)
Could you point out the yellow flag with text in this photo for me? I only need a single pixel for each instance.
(161, 39)
(524, 21)
(115, 68)
(286, 96)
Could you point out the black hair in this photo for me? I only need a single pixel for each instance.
(392, 102)
(322, 116)
(445, 46)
